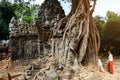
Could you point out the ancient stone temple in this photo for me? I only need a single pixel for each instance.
(50, 12)
(23, 40)
(28, 41)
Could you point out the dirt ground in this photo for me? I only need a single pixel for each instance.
(99, 75)
(93, 71)
(13, 71)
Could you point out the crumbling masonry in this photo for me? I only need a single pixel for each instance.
(28, 41)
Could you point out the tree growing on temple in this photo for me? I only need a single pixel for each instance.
(80, 41)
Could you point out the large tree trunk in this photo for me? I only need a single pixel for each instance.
(80, 41)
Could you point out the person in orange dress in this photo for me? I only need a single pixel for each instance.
(110, 62)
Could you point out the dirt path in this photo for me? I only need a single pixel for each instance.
(96, 75)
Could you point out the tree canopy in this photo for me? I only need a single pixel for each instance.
(109, 30)
(112, 31)
(6, 13)
(23, 11)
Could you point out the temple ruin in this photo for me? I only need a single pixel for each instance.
(29, 41)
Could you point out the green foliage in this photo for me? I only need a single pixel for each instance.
(24, 11)
(109, 30)
(21, 10)
(6, 13)
(111, 16)
(112, 32)
(99, 21)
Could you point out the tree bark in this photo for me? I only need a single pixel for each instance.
(80, 35)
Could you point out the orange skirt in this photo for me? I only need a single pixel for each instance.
(110, 67)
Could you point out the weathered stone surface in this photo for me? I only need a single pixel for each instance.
(52, 75)
(18, 29)
(29, 67)
(28, 41)
(29, 72)
(67, 75)
(23, 41)
(49, 14)
(40, 76)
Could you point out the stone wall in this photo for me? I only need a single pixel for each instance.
(23, 40)
(49, 14)
(18, 29)
(32, 40)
